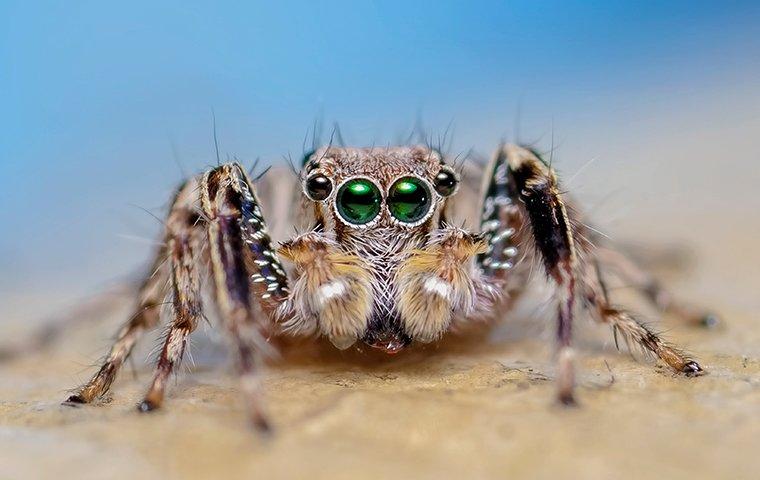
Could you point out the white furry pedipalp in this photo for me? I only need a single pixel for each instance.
(438, 286)
(330, 290)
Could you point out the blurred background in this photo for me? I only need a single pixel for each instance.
(653, 109)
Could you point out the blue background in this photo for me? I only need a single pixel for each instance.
(100, 101)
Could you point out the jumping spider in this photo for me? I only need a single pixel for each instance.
(379, 264)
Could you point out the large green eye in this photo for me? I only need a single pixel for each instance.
(358, 201)
(409, 199)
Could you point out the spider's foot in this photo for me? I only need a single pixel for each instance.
(567, 399)
(262, 425)
(709, 320)
(692, 369)
(75, 400)
(147, 406)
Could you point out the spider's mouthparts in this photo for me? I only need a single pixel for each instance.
(390, 342)
(391, 346)
(385, 333)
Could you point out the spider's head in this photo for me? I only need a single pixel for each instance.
(402, 189)
(379, 204)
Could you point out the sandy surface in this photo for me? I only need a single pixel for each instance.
(476, 407)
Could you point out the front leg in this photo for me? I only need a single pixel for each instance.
(522, 205)
(534, 188)
(244, 266)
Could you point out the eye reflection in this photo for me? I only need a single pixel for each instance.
(409, 199)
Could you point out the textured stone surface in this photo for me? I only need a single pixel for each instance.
(476, 407)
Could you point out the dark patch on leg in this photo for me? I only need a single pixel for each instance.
(693, 369)
(74, 401)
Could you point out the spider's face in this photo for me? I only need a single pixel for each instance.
(369, 189)
(379, 204)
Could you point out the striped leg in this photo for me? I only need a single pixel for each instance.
(533, 186)
(522, 199)
(653, 290)
(242, 255)
(625, 323)
(146, 314)
(502, 227)
(184, 246)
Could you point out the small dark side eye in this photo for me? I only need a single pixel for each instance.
(445, 182)
(318, 187)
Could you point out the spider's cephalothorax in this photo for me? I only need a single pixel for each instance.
(380, 211)
(379, 262)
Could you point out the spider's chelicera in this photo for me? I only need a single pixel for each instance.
(380, 263)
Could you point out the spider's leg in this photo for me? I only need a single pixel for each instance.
(532, 187)
(243, 262)
(651, 289)
(146, 313)
(596, 297)
(502, 227)
(183, 252)
(555, 233)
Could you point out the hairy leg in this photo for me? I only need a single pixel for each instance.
(243, 263)
(146, 313)
(651, 289)
(596, 298)
(522, 204)
(502, 226)
(184, 246)
(554, 235)
(536, 190)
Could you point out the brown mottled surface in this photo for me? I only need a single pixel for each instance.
(465, 409)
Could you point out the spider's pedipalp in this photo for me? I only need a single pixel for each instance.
(333, 292)
(435, 283)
